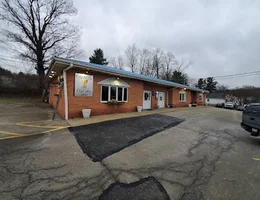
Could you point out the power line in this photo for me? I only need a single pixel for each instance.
(239, 76)
(12, 59)
(234, 75)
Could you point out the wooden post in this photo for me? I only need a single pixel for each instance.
(58, 101)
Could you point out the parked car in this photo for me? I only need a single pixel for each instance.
(229, 105)
(251, 119)
(219, 105)
(241, 108)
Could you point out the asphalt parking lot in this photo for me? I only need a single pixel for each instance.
(207, 156)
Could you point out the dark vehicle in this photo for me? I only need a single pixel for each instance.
(251, 119)
(219, 105)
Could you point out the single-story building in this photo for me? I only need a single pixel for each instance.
(215, 98)
(97, 87)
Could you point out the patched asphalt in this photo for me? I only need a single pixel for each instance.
(146, 188)
(103, 139)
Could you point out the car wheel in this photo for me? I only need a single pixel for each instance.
(254, 134)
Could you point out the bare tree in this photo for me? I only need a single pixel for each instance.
(143, 62)
(120, 62)
(112, 62)
(157, 62)
(182, 65)
(222, 88)
(168, 66)
(117, 62)
(132, 53)
(41, 27)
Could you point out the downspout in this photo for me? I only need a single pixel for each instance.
(66, 91)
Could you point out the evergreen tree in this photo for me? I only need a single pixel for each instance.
(180, 77)
(98, 57)
(201, 83)
(211, 84)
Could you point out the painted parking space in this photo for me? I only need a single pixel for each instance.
(25, 129)
(23, 119)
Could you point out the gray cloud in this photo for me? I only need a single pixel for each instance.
(220, 37)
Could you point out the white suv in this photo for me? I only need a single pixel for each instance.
(229, 105)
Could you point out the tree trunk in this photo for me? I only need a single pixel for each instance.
(40, 69)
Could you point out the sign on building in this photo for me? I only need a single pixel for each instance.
(83, 85)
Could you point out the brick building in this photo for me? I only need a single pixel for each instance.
(96, 87)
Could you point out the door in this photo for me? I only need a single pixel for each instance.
(161, 100)
(147, 99)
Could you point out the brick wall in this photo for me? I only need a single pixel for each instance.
(203, 102)
(76, 104)
(174, 97)
(135, 96)
(156, 88)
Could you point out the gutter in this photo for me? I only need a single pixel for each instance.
(66, 90)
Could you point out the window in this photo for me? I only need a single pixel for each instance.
(252, 109)
(120, 94)
(112, 92)
(104, 94)
(125, 94)
(182, 96)
(201, 97)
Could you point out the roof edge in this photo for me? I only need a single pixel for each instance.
(128, 74)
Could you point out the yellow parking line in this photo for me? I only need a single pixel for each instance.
(38, 126)
(257, 159)
(9, 137)
(10, 133)
(47, 131)
(32, 134)
(36, 121)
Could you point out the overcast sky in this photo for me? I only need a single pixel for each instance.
(220, 37)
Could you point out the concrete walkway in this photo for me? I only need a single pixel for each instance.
(101, 118)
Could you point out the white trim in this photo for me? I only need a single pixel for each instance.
(145, 101)
(158, 100)
(109, 93)
(117, 93)
(123, 93)
(200, 96)
(66, 91)
(182, 92)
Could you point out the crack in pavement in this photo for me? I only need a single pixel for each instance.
(57, 182)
